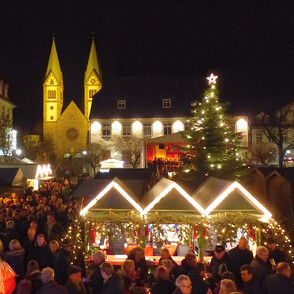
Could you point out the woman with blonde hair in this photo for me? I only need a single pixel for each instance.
(129, 274)
(227, 287)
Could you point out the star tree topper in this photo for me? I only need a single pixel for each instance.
(212, 79)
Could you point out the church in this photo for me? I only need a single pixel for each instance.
(65, 129)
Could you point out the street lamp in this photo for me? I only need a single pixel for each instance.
(84, 152)
(18, 152)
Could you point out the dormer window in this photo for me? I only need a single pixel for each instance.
(166, 103)
(121, 104)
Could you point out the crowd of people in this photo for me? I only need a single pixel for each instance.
(33, 248)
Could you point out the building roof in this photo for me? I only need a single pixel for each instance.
(287, 173)
(93, 62)
(11, 176)
(144, 96)
(53, 63)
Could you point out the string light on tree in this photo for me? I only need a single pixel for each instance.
(213, 143)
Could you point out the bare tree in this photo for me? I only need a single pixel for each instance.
(6, 138)
(276, 127)
(93, 156)
(263, 154)
(130, 147)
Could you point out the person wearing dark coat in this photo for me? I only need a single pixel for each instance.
(281, 281)
(15, 257)
(35, 278)
(137, 254)
(29, 244)
(199, 286)
(220, 263)
(62, 262)
(74, 283)
(53, 229)
(163, 284)
(261, 267)
(113, 282)
(250, 284)
(41, 251)
(49, 285)
(274, 252)
(188, 263)
(184, 285)
(95, 279)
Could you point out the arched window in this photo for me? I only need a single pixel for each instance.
(78, 155)
(66, 155)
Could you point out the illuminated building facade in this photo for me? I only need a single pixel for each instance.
(66, 128)
(152, 108)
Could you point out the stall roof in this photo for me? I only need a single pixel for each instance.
(29, 170)
(11, 176)
(125, 193)
(221, 195)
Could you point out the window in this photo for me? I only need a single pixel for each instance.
(121, 104)
(284, 138)
(166, 103)
(147, 130)
(51, 107)
(187, 126)
(51, 82)
(51, 117)
(51, 94)
(167, 128)
(161, 146)
(106, 130)
(126, 129)
(92, 93)
(258, 138)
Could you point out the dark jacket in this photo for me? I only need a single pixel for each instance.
(72, 289)
(240, 257)
(113, 285)
(96, 281)
(260, 269)
(163, 287)
(177, 291)
(29, 246)
(277, 255)
(184, 268)
(56, 232)
(278, 284)
(199, 286)
(219, 266)
(62, 263)
(252, 287)
(50, 288)
(35, 278)
(16, 260)
(41, 254)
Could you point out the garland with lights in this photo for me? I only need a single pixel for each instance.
(213, 146)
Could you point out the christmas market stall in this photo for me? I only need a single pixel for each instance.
(120, 214)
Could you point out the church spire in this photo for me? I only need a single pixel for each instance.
(53, 63)
(93, 62)
(92, 82)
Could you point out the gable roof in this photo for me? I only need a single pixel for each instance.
(163, 189)
(214, 191)
(287, 173)
(122, 189)
(144, 96)
(93, 63)
(11, 176)
(68, 110)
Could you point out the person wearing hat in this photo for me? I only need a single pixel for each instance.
(220, 263)
(74, 284)
(274, 252)
(63, 261)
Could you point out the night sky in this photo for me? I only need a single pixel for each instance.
(250, 46)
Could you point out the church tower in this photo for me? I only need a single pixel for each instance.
(92, 81)
(52, 97)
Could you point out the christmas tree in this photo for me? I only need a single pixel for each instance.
(213, 146)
